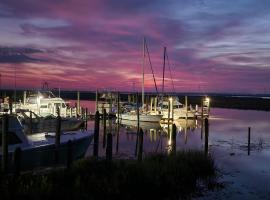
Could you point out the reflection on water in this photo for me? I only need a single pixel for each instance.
(228, 137)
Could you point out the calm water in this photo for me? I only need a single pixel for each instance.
(245, 177)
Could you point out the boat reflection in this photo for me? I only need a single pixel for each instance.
(182, 125)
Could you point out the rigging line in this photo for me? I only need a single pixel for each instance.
(151, 67)
(170, 71)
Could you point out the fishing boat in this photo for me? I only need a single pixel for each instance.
(43, 103)
(144, 116)
(172, 108)
(48, 123)
(38, 150)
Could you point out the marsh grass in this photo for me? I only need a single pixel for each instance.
(160, 176)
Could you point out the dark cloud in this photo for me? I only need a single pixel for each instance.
(18, 55)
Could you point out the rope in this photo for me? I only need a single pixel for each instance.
(151, 67)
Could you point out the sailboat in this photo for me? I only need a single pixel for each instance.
(172, 107)
(144, 116)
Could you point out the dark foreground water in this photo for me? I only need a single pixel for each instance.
(244, 176)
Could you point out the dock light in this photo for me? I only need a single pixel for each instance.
(207, 99)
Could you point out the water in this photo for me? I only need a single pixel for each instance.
(244, 177)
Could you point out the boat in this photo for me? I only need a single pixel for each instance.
(48, 123)
(144, 116)
(38, 150)
(177, 110)
(44, 103)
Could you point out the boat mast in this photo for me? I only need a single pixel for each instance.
(164, 63)
(143, 63)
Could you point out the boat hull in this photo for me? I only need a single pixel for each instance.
(143, 117)
(34, 157)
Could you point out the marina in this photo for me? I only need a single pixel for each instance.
(134, 100)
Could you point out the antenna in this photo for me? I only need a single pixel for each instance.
(15, 84)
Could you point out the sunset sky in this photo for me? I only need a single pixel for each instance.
(213, 45)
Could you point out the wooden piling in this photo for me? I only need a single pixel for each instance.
(96, 135)
(10, 107)
(140, 150)
(118, 121)
(206, 128)
(78, 103)
(155, 106)
(248, 140)
(96, 100)
(4, 143)
(24, 97)
(109, 147)
(104, 118)
(57, 135)
(86, 118)
(169, 109)
(174, 139)
(138, 123)
(69, 154)
(117, 137)
(17, 161)
(186, 105)
(202, 125)
(118, 107)
(31, 123)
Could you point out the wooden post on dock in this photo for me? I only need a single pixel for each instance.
(86, 118)
(206, 136)
(96, 100)
(117, 138)
(202, 117)
(104, 127)
(24, 97)
(109, 147)
(69, 153)
(202, 110)
(78, 103)
(173, 138)
(4, 143)
(140, 152)
(96, 135)
(172, 109)
(169, 114)
(118, 121)
(138, 123)
(155, 106)
(30, 123)
(186, 104)
(17, 161)
(57, 135)
(118, 107)
(248, 140)
(10, 107)
(151, 104)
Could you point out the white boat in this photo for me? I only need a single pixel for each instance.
(177, 110)
(37, 150)
(144, 116)
(44, 103)
(48, 124)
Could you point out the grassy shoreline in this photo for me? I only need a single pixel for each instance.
(160, 176)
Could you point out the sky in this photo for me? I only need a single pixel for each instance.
(212, 45)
